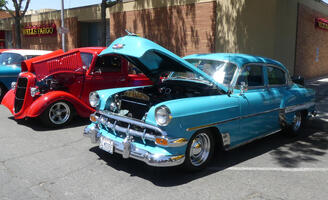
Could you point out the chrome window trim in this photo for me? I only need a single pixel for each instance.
(251, 87)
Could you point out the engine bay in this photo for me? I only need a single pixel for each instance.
(136, 103)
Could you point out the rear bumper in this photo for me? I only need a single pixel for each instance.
(152, 159)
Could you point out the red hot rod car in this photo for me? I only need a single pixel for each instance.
(56, 87)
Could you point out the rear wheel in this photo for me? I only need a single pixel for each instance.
(199, 150)
(57, 114)
(295, 127)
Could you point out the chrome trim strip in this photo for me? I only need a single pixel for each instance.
(252, 140)
(294, 108)
(134, 102)
(13, 76)
(260, 113)
(213, 124)
(232, 119)
(133, 122)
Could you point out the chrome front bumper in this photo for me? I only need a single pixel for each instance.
(128, 150)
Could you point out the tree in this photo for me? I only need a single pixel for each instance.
(106, 4)
(2, 4)
(18, 14)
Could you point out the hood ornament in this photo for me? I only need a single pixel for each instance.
(118, 46)
(129, 33)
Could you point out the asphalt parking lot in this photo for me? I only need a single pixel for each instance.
(38, 163)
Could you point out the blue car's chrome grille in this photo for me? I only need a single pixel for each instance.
(129, 127)
(20, 94)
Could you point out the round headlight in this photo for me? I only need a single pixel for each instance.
(163, 115)
(94, 99)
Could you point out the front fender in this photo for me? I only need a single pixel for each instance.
(9, 100)
(192, 114)
(42, 103)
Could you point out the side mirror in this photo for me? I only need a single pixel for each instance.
(243, 87)
(298, 80)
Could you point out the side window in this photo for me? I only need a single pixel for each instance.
(109, 64)
(86, 59)
(276, 76)
(252, 75)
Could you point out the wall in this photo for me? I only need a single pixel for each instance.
(183, 29)
(253, 27)
(73, 17)
(312, 44)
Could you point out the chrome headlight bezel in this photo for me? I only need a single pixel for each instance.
(13, 85)
(34, 91)
(94, 99)
(163, 115)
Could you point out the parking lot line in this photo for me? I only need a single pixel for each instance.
(279, 169)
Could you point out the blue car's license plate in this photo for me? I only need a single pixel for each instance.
(106, 145)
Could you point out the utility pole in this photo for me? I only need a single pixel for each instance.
(62, 25)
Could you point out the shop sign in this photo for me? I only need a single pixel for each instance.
(40, 30)
(321, 23)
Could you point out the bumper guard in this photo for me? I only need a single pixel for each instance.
(128, 150)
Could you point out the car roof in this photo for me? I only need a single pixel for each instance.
(97, 50)
(26, 52)
(239, 59)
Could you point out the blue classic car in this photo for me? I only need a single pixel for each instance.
(10, 66)
(196, 104)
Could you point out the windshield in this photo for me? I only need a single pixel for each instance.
(86, 59)
(11, 59)
(221, 72)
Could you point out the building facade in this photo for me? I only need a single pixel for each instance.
(41, 29)
(286, 30)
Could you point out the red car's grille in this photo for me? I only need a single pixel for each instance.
(20, 93)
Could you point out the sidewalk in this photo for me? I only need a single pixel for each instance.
(320, 85)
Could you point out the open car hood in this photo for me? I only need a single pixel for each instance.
(153, 59)
(54, 63)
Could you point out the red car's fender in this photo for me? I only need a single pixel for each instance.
(8, 100)
(42, 103)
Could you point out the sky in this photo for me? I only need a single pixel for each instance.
(56, 4)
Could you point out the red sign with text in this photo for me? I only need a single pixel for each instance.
(40, 30)
(321, 23)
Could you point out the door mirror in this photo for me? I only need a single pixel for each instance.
(243, 87)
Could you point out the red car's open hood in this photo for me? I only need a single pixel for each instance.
(52, 63)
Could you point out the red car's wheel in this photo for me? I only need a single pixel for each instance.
(57, 114)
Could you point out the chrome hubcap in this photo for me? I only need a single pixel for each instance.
(200, 149)
(59, 113)
(297, 121)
